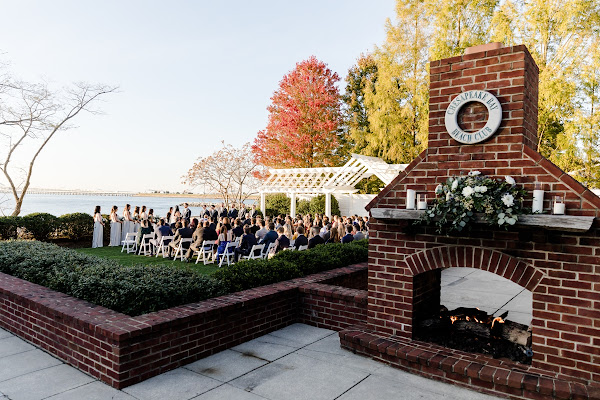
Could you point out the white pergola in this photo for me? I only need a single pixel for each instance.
(327, 180)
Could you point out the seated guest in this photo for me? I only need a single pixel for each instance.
(225, 236)
(270, 237)
(315, 239)
(300, 240)
(145, 229)
(194, 224)
(260, 234)
(162, 229)
(357, 233)
(254, 226)
(238, 229)
(282, 242)
(334, 236)
(210, 233)
(182, 233)
(213, 224)
(247, 220)
(197, 239)
(348, 237)
(248, 240)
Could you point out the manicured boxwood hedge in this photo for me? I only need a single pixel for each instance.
(291, 264)
(131, 290)
(44, 226)
(136, 290)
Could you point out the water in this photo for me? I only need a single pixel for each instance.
(64, 204)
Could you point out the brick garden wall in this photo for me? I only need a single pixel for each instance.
(562, 269)
(122, 350)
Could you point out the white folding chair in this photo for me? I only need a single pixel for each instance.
(207, 251)
(229, 253)
(291, 243)
(255, 252)
(129, 243)
(305, 247)
(163, 247)
(268, 251)
(145, 245)
(180, 249)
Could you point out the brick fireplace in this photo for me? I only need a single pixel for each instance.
(557, 258)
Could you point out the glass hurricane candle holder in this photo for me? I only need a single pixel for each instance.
(411, 197)
(559, 205)
(422, 201)
(538, 199)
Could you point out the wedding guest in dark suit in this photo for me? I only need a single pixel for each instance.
(301, 240)
(316, 238)
(197, 239)
(182, 233)
(348, 236)
(248, 240)
(282, 242)
(238, 229)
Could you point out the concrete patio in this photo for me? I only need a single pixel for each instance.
(297, 362)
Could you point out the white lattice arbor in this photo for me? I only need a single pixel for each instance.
(327, 180)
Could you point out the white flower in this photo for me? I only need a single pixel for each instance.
(509, 180)
(474, 173)
(508, 199)
(467, 191)
(481, 189)
(439, 189)
(448, 196)
(455, 184)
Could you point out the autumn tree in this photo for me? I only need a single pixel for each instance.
(303, 129)
(31, 114)
(230, 172)
(396, 101)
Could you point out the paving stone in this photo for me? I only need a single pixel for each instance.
(228, 392)
(5, 334)
(26, 362)
(13, 345)
(179, 384)
(92, 391)
(226, 365)
(45, 383)
(267, 347)
(300, 334)
(299, 377)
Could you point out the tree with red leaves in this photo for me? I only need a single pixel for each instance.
(304, 120)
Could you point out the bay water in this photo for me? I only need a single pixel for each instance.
(65, 204)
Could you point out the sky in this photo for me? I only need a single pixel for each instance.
(190, 74)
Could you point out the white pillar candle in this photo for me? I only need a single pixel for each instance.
(538, 201)
(411, 197)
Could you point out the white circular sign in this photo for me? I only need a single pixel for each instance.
(494, 110)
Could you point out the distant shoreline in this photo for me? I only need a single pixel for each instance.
(187, 195)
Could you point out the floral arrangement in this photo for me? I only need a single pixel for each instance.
(457, 201)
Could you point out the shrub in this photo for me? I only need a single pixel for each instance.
(277, 203)
(8, 227)
(291, 264)
(131, 290)
(40, 225)
(76, 225)
(303, 207)
(317, 205)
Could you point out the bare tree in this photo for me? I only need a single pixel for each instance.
(229, 172)
(30, 115)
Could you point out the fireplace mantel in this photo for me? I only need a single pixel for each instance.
(567, 223)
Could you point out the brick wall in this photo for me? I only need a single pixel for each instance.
(562, 269)
(122, 350)
(332, 307)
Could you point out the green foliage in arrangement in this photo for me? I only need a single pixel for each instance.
(132, 290)
(291, 264)
(40, 225)
(76, 225)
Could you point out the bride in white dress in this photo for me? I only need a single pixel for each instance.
(98, 229)
(127, 222)
(115, 227)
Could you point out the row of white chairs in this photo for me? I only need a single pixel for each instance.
(206, 252)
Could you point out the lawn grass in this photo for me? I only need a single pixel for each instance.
(114, 253)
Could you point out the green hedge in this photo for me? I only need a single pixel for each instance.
(291, 264)
(44, 226)
(131, 290)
